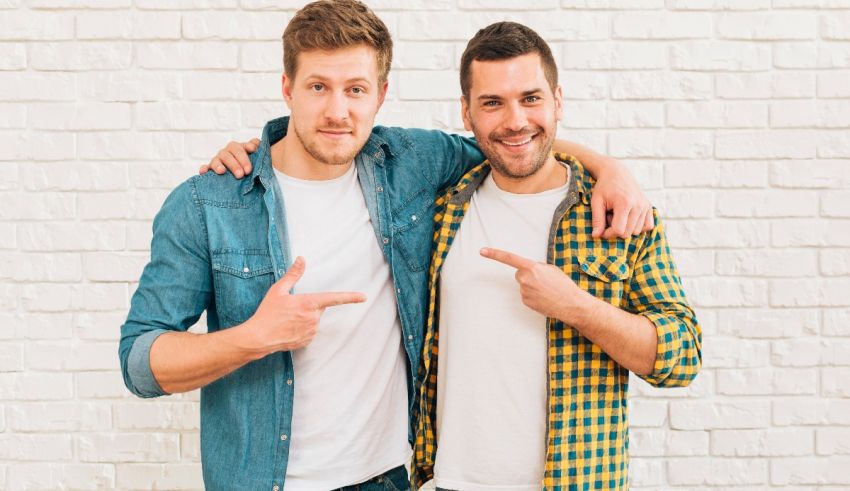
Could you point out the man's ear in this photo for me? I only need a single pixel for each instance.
(464, 113)
(286, 90)
(383, 93)
(559, 103)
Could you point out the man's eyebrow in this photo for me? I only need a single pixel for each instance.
(525, 93)
(362, 80)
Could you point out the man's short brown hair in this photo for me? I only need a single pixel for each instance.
(503, 41)
(333, 24)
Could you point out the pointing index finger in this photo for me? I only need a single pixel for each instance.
(332, 299)
(505, 257)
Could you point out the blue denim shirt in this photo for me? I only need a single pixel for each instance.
(220, 243)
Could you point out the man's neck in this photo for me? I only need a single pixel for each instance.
(290, 157)
(551, 175)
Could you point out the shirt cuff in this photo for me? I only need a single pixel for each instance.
(139, 365)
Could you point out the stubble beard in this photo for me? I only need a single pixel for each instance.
(315, 150)
(538, 159)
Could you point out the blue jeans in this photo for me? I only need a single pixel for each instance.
(392, 480)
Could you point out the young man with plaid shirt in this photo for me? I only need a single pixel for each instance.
(534, 324)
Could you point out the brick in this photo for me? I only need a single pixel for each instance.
(767, 381)
(646, 472)
(805, 114)
(835, 262)
(616, 56)
(717, 233)
(629, 114)
(782, 85)
(36, 206)
(685, 204)
(11, 358)
(834, 144)
(54, 297)
(234, 25)
(822, 4)
(126, 87)
(79, 176)
(662, 26)
(80, 56)
(15, 115)
(740, 204)
(164, 416)
(762, 443)
(61, 476)
(41, 26)
(80, 116)
(652, 442)
(28, 386)
(123, 146)
(692, 263)
(37, 326)
(718, 4)
(725, 174)
(13, 56)
(835, 204)
(59, 416)
(647, 413)
(176, 55)
(110, 266)
(835, 382)
(810, 470)
(98, 326)
(185, 4)
(100, 385)
(506, 4)
(714, 115)
(836, 322)
(800, 411)
(41, 267)
(833, 441)
(725, 472)
(190, 447)
(800, 232)
(128, 447)
(78, 4)
(37, 86)
(771, 263)
(261, 57)
(171, 476)
(8, 296)
(662, 144)
(72, 356)
(36, 447)
(725, 352)
(772, 26)
(428, 85)
(710, 56)
(809, 352)
(613, 4)
(799, 55)
(768, 324)
(775, 144)
(128, 25)
(833, 55)
(833, 84)
(810, 292)
(660, 86)
(63, 236)
(52, 146)
(164, 175)
(186, 116)
(425, 56)
(810, 174)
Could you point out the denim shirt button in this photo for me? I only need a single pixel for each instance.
(386, 240)
(379, 189)
(275, 488)
(283, 437)
(246, 270)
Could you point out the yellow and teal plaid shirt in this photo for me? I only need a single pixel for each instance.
(587, 428)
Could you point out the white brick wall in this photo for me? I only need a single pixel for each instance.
(734, 114)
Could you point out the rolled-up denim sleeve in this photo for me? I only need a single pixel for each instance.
(174, 290)
(448, 156)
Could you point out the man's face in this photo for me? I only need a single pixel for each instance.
(333, 98)
(513, 113)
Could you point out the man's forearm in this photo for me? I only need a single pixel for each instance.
(184, 361)
(593, 162)
(628, 338)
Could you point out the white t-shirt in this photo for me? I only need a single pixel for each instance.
(492, 366)
(349, 420)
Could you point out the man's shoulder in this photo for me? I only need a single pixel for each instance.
(222, 190)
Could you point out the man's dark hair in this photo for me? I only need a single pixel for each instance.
(503, 41)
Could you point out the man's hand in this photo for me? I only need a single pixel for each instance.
(233, 158)
(617, 190)
(544, 288)
(285, 321)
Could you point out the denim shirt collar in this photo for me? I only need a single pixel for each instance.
(274, 130)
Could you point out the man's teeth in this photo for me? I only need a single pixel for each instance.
(517, 143)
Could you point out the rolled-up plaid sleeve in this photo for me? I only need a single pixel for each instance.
(655, 292)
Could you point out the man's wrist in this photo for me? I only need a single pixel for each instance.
(247, 341)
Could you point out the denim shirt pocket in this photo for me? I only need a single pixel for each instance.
(413, 228)
(242, 279)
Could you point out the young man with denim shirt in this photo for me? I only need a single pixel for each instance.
(534, 324)
(301, 386)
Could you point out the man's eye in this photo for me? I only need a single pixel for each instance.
(317, 87)
(491, 103)
(532, 98)
(357, 90)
